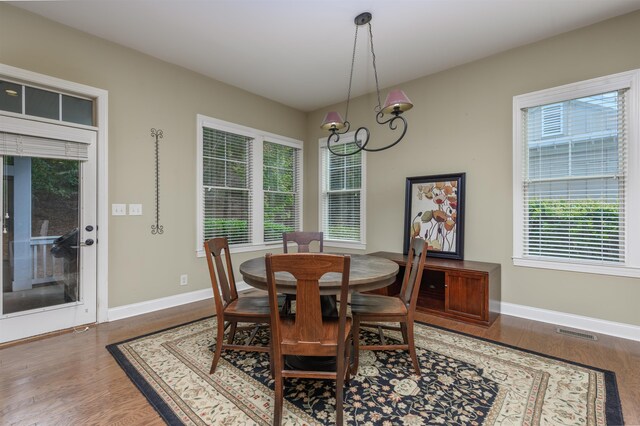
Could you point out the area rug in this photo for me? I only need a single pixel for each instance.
(465, 381)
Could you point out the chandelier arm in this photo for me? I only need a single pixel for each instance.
(392, 126)
(334, 138)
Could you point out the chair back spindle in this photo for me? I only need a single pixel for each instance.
(413, 272)
(222, 279)
(307, 269)
(303, 239)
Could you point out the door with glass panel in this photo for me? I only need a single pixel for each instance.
(49, 230)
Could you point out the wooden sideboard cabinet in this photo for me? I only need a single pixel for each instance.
(464, 290)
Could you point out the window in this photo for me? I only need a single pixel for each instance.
(342, 194)
(249, 185)
(45, 104)
(575, 190)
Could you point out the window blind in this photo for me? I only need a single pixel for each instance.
(226, 186)
(342, 194)
(281, 183)
(31, 146)
(574, 179)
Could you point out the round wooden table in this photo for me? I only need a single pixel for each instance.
(367, 273)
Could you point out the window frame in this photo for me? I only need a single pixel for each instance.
(626, 80)
(356, 245)
(257, 191)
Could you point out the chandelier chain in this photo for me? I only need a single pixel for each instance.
(353, 61)
(375, 69)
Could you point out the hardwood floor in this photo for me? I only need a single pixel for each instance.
(71, 379)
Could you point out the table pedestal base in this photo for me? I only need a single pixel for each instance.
(310, 363)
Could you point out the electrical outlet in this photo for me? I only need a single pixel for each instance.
(184, 279)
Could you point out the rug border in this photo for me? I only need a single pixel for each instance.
(613, 405)
(153, 398)
(613, 413)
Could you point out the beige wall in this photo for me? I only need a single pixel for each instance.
(144, 93)
(462, 122)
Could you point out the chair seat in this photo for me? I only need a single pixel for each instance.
(252, 306)
(375, 305)
(327, 342)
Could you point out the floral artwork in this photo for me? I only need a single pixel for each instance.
(434, 211)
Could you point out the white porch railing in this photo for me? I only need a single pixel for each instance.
(46, 267)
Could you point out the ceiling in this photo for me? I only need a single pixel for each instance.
(298, 52)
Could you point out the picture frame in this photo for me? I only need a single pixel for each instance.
(434, 210)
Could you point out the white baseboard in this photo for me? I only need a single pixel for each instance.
(145, 307)
(617, 329)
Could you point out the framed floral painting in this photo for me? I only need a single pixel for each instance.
(434, 210)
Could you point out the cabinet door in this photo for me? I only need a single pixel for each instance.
(466, 295)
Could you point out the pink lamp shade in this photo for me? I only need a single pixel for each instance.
(332, 121)
(396, 101)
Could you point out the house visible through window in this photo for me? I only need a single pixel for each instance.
(249, 184)
(572, 177)
(342, 196)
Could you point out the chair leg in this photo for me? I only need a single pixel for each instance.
(340, 373)
(232, 332)
(356, 344)
(278, 399)
(347, 360)
(412, 347)
(403, 330)
(219, 343)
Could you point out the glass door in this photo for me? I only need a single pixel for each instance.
(48, 239)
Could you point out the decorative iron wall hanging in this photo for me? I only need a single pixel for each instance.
(157, 228)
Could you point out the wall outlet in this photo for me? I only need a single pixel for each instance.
(118, 209)
(184, 279)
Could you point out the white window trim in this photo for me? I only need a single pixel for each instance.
(630, 80)
(257, 205)
(362, 244)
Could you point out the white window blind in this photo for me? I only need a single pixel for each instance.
(226, 185)
(281, 182)
(250, 185)
(31, 146)
(342, 194)
(574, 179)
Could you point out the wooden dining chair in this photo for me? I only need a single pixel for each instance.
(303, 239)
(370, 309)
(231, 309)
(308, 333)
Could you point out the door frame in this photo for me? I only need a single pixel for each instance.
(101, 97)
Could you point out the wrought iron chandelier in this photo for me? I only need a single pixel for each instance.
(396, 103)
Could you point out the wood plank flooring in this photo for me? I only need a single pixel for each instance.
(71, 379)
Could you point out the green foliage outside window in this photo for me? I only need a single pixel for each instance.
(586, 226)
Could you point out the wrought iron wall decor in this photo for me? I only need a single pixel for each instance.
(157, 228)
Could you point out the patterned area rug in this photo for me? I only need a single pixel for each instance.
(465, 381)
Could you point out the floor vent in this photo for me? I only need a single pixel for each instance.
(573, 333)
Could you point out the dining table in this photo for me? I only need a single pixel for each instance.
(366, 273)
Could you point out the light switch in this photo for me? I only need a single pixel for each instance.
(135, 209)
(118, 209)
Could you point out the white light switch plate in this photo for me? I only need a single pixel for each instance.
(135, 209)
(118, 209)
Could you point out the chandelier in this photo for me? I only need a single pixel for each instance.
(396, 103)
